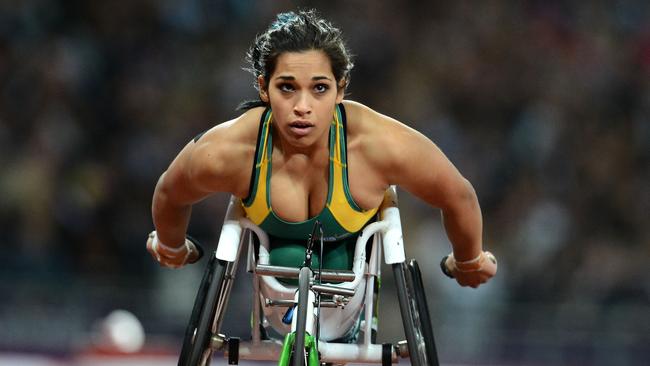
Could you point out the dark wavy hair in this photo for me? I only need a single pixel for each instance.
(295, 32)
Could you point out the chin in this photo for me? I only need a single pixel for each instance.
(302, 141)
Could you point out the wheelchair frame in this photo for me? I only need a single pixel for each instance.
(202, 336)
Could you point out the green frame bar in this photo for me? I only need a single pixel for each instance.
(310, 344)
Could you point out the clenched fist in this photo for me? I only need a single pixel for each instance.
(474, 272)
(174, 257)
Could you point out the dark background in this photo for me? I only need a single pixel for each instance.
(543, 105)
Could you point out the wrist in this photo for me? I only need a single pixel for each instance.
(472, 265)
(171, 250)
(168, 251)
(174, 256)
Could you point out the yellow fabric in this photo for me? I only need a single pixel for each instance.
(339, 205)
(259, 209)
(348, 217)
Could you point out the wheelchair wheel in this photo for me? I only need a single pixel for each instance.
(415, 314)
(423, 311)
(196, 349)
(299, 353)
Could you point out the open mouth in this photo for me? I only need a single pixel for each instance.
(300, 124)
(300, 127)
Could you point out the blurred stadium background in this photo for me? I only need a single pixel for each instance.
(543, 105)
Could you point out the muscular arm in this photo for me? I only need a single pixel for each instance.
(220, 161)
(177, 189)
(392, 153)
(407, 158)
(427, 173)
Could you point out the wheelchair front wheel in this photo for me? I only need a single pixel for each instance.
(196, 349)
(415, 314)
(299, 353)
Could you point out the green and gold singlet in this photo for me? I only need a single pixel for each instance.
(342, 219)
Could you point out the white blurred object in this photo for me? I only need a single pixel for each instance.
(122, 331)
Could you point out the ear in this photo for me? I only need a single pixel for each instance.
(340, 90)
(263, 88)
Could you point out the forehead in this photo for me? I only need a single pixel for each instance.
(307, 63)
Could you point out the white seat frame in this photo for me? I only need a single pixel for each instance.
(386, 234)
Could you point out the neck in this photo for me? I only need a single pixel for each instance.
(300, 158)
(311, 151)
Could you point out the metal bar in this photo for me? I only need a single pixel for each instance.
(281, 303)
(333, 290)
(291, 272)
(288, 303)
(336, 275)
(277, 271)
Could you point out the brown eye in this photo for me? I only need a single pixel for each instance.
(286, 87)
(321, 88)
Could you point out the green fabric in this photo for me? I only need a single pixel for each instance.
(300, 231)
(258, 158)
(291, 253)
(275, 225)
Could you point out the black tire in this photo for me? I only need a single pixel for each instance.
(196, 350)
(301, 320)
(415, 315)
(423, 312)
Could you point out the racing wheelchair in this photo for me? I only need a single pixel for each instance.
(320, 317)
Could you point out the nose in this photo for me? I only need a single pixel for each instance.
(303, 105)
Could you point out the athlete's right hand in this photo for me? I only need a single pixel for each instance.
(189, 252)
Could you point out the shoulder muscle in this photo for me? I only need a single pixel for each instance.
(405, 157)
(217, 161)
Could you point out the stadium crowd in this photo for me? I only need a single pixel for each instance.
(543, 105)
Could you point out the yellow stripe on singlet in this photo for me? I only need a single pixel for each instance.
(340, 206)
(347, 216)
(258, 210)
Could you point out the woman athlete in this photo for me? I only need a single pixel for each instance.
(302, 153)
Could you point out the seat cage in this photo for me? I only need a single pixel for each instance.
(336, 321)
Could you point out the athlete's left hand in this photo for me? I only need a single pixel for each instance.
(472, 273)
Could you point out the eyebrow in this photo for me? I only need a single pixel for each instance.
(291, 78)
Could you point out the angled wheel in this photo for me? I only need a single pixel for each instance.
(415, 314)
(196, 349)
(299, 354)
(426, 329)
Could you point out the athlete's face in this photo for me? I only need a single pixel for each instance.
(302, 92)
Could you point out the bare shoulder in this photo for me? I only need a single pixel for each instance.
(241, 130)
(398, 154)
(365, 120)
(221, 159)
(381, 139)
